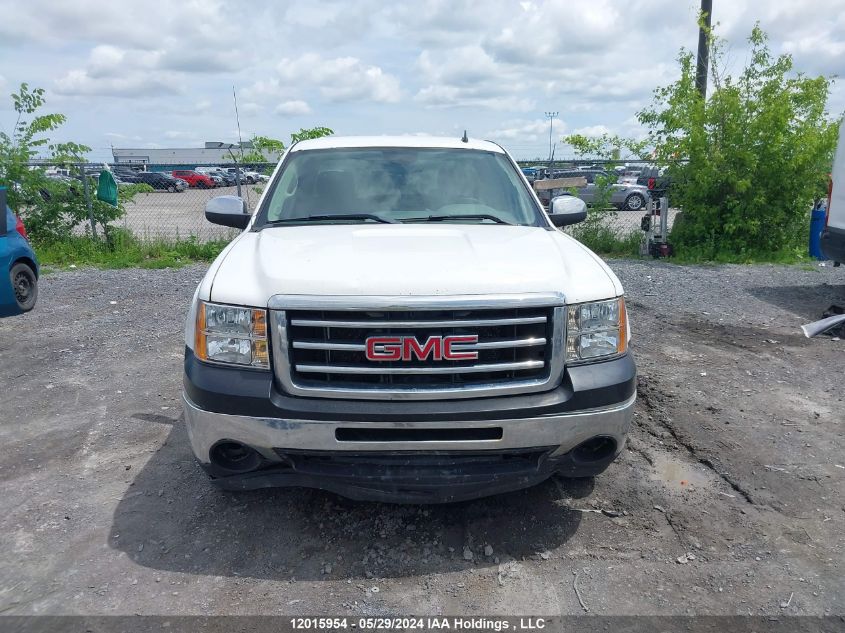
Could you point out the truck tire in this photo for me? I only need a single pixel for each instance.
(24, 286)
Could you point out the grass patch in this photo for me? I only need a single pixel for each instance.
(785, 256)
(603, 240)
(123, 250)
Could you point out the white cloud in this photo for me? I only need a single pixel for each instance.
(292, 108)
(592, 130)
(467, 76)
(114, 71)
(117, 136)
(529, 131)
(431, 66)
(339, 79)
(138, 84)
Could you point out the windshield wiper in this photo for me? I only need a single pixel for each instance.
(334, 216)
(459, 216)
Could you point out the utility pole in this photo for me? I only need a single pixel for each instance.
(551, 116)
(703, 49)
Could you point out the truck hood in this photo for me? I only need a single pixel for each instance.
(407, 260)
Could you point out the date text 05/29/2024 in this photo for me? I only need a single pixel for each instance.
(418, 623)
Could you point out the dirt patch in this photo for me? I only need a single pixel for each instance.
(728, 499)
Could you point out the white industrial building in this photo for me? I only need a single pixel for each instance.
(184, 157)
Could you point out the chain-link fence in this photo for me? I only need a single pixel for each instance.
(160, 202)
(177, 213)
(174, 208)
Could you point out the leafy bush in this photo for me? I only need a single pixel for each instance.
(759, 151)
(598, 234)
(52, 209)
(747, 163)
(60, 207)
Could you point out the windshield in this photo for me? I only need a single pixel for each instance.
(399, 185)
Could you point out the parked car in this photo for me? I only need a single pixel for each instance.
(833, 234)
(628, 197)
(251, 176)
(400, 321)
(18, 263)
(126, 175)
(194, 179)
(220, 175)
(161, 181)
(247, 177)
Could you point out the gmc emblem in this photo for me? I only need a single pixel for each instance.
(380, 348)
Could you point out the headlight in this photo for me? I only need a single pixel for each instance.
(230, 334)
(595, 330)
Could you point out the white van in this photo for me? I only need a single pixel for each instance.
(833, 236)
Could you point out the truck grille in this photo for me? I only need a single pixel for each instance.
(324, 352)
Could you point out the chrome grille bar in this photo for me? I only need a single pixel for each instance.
(397, 371)
(521, 345)
(362, 347)
(418, 324)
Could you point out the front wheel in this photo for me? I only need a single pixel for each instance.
(634, 202)
(171, 189)
(24, 285)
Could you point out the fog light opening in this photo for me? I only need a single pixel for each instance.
(234, 456)
(595, 449)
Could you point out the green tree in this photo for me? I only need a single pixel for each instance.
(308, 133)
(51, 208)
(27, 139)
(757, 153)
(261, 146)
(597, 230)
(607, 146)
(747, 163)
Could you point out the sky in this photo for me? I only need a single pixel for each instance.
(161, 74)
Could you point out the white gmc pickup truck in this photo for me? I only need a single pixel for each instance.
(401, 321)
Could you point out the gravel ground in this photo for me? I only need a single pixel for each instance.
(728, 500)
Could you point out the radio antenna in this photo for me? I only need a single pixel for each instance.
(237, 119)
(240, 146)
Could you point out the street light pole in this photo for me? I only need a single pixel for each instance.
(703, 48)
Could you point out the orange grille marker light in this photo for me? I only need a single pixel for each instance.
(200, 347)
(622, 343)
(259, 323)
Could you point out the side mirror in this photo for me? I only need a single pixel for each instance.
(227, 211)
(567, 210)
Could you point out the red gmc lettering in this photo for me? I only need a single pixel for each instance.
(448, 341)
(406, 348)
(432, 347)
(384, 348)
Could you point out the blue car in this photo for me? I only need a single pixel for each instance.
(18, 264)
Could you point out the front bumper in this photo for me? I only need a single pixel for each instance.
(408, 452)
(353, 458)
